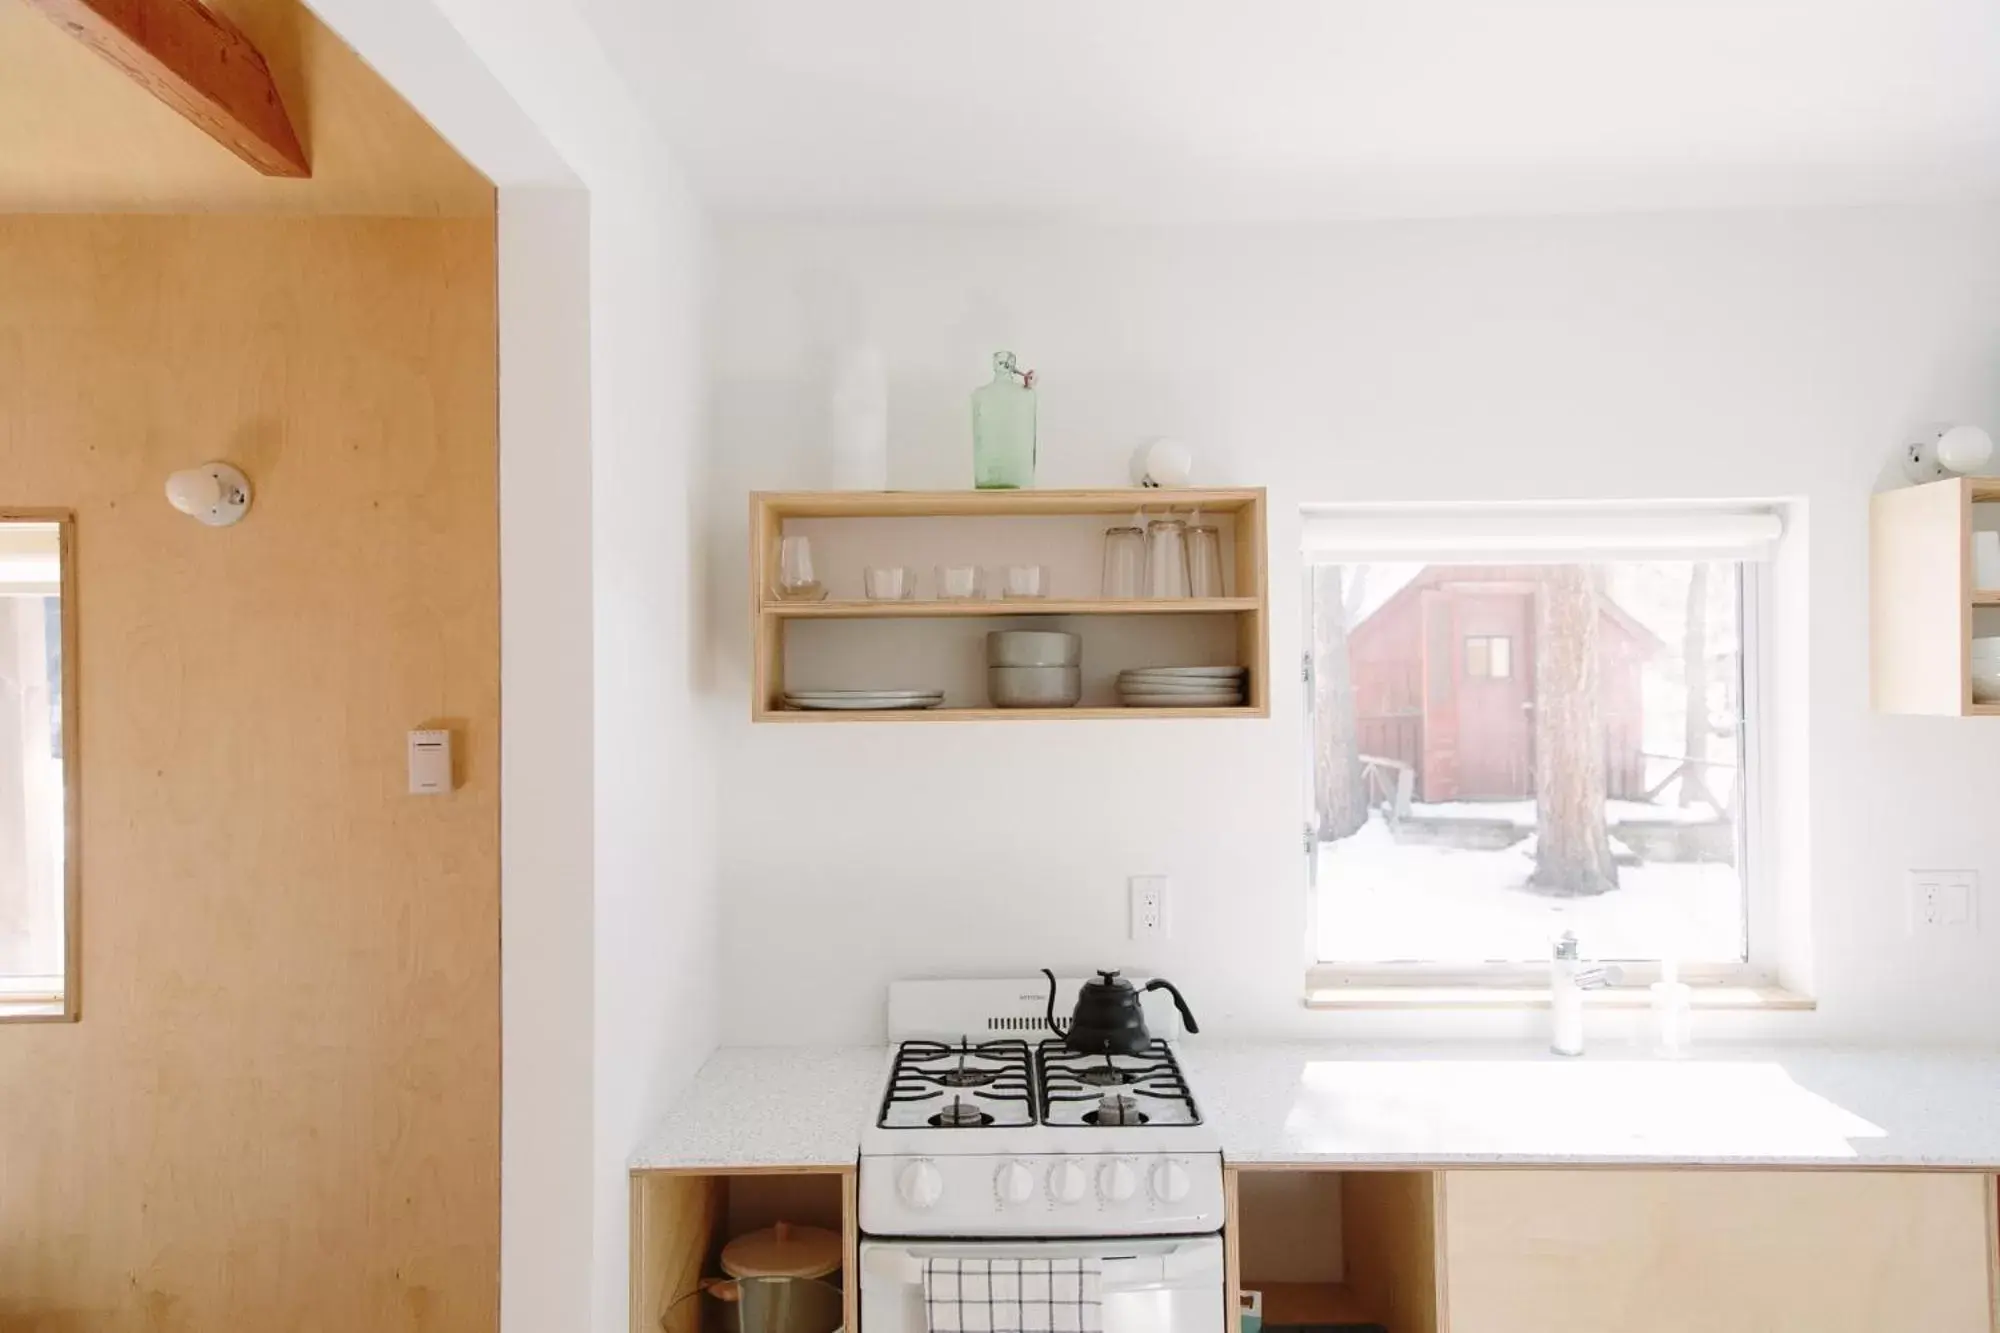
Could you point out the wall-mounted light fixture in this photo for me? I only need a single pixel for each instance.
(214, 493)
(1947, 451)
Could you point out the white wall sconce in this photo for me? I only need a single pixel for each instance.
(1947, 451)
(214, 493)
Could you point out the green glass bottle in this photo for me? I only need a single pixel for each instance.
(1003, 428)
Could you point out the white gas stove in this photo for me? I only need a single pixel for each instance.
(989, 1127)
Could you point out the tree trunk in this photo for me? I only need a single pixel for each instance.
(1573, 846)
(1694, 663)
(1340, 794)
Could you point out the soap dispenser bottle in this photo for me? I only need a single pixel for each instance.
(1565, 997)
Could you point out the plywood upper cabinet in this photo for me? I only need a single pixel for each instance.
(849, 642)
(1923, 603)
(1717, 1251)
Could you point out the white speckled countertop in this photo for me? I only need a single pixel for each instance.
(771, 1106)
(1497, 1105)
(1514, 1106)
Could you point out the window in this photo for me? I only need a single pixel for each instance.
(1526, 722)
(1489, 657)
(37, 758)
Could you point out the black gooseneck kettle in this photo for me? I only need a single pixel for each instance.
(1109, 1018)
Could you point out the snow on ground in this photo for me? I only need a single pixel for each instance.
(1382, 901)
(1523, 812)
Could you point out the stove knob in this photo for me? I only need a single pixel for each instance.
(1170, 1182)
(920, 1184)
(1013, 1183)
(1067, 1182)
(1117, 1182)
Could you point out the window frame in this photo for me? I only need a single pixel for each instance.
(1753, 982)
(40, 998)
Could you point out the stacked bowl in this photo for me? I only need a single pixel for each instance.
(1986, 671)
(1182, 687)
(1033, 668)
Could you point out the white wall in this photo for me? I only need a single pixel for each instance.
(1744, 354)
(657, 984)
(609, 931)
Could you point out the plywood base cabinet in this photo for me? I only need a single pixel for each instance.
(1717, 1251)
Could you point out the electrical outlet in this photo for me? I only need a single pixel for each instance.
(1943, 900)
(1149, 907)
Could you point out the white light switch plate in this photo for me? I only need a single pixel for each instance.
(430, 763)
(1943, 900)
(1149, 907)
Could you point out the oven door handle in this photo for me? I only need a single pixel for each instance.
(1125, 1271)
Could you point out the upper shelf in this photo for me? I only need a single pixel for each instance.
(848, 642)
(995, 504)
(1012, 606)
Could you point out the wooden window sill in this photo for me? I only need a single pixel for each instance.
(1713, 997)
(34, 1009)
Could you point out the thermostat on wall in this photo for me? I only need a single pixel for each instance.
(430, 763)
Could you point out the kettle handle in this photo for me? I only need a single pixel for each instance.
(1052, 1002)
(1187, 1014)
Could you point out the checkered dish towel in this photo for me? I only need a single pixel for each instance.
(1013, 1296)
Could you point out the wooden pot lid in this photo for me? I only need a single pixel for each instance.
(783, 1250)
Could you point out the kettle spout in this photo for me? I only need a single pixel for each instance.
(1052, 1002)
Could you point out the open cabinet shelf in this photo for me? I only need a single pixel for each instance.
(1330, 1247)
(848, 642)
(1925, 608)
(1022, 606)
(682, 1219)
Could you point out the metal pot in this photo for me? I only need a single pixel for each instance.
(775, 1281)
(1109, 1018)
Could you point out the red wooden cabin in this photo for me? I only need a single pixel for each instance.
(1444, 681)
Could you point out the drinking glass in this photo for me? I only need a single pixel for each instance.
(1166, 558)
(1024, 581)
(1205, 562)
(893, 583)
(796, 582)
(1124, 563)
(959, 583)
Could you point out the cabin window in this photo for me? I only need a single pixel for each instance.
(1489, 657)
(1586, 764)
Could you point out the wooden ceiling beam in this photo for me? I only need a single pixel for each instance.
(198, 63)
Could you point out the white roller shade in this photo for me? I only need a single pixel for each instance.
(1535, 534)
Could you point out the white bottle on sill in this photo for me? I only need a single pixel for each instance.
(1565, 997)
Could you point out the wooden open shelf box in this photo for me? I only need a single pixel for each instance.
(682, 1219)
(1924, 605)
(846, 641)
(1325, 1246)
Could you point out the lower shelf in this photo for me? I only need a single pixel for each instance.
(999, 714)
(1310, 1303)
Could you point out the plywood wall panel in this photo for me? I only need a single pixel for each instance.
(281, 1107)
(79, 136)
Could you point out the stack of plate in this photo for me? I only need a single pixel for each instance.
(1182, 687)
(853, 701)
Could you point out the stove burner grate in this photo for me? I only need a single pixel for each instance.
(990, 1083)
(1106, 1091)
(967, 1078)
